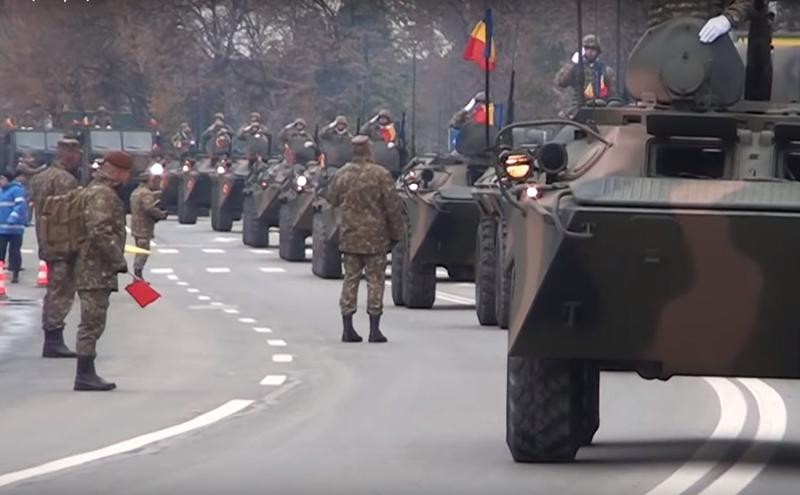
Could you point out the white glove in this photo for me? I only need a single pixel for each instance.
(575, 58)
(470, 105)
(714, 28)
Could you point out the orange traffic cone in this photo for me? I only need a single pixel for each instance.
(3, 294)
(41, 278)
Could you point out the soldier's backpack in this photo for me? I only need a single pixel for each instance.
(61, 225)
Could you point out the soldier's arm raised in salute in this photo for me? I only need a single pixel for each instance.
(100, 224)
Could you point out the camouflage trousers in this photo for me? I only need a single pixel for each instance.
(374, 266)
(94, 309)
(60, 294)
(140, 259)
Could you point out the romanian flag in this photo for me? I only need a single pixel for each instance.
(481, 44)
(388, 133)
(479, 115)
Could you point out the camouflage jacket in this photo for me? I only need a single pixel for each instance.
(658, 11)
(145, 212)
(53, 181)
(102, 250)
(330, 133)
(600, 82)
(367, 208)
(290, 134)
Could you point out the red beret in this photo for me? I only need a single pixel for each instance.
(119, 159)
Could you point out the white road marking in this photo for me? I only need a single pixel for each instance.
(214, 251)
(27, 251)
(192, 291)
(271, 269)
(183, 284)
(733, 413)
(161, 271)
(207, 419)
(455, 299)
(203, 298)
(167, 251)
(218, 270)
(466, 284)
(770, 431)
(262, 329)
(247, 320)
(217, 304)
(276, 343)
(282, 358)
(273, 380)
(226, 239)
(231, 311)
(172, 277)
(262, 251)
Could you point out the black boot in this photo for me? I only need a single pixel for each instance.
(86, 378)
(375, 335)
(54, 346)
(15, 277)
(349, 333)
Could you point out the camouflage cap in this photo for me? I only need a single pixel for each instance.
(119, 159)
(591, 41)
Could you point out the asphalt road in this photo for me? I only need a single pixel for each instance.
(235, 382)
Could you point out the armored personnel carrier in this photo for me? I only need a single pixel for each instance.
(195, 179)
(651, 238)
(441, 218)
(262, 200)
(297, 195)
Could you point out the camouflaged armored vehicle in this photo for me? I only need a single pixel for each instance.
(262, 200)
(654, 238)
(296, 196)
(195, 179)
(441, 218)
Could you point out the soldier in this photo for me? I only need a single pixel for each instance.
(145, 213)
(216, 129)
(253, 128)
(368, 209)
(102, 119)
(381, 128)
(722, 15)
(101, 257)
(27, 168)
(599, 78)
(58, 178)
(27, 122)
(474, 112)
(184, 140)
(339, 128)
(295, 130)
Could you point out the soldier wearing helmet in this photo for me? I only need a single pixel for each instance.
(381, 128)
(338, 129)
(184, 140)
(102, 119)
(599, 79)
(475, 112)
(294, 131)
(27, 122)
(218, 131)
(253, 128)
(721, 15)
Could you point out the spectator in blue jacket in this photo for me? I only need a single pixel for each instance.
(13, 219)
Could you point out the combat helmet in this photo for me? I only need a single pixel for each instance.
(591, 41)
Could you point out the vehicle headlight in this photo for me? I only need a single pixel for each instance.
(221, 169)
(264, 184)
(186, 167)
(517, 166)
(413, 186)
(301, 181)
(95, 164)
(156, 169)
(308, 144)
(532, 192)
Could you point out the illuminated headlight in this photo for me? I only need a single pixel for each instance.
(532, 192)
(517, 167)
(221, 170)
(308, 144)
(186, 167)
(301, 181)
(413, 187)
(264, 184)
(156, 169)
(95, 164)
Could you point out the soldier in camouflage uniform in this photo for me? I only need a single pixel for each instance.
(101, 257)
(338, 129)
(102, 119)
(144, 215)
(295, 130)
(722, 15)
(57, 179)
(368, 210)
(599, 80)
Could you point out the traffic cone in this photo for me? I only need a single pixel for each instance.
(3, 293)
(41, 278)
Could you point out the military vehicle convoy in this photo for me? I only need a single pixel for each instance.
(297, 195)
(441, 218)
(651, 238)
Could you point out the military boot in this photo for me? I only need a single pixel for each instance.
(86, 378)
(54, 346)
(15, 277)
(349, 333)
(375, 334)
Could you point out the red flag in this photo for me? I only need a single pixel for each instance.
(475, 51)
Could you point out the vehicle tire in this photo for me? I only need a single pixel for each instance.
(485, 266)
(542, 414)
(504, 278)
(589, 394)
(187, 212)
(419, 280)
(398, 255)
(326, 259)
(292, 243)
(221, 219)
(255, 232)
(461, 273)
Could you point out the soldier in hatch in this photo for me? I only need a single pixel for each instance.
(102, 119)
(338, 129)
(253, 129)
(599, 80)
(216, 130)
(295, 130)
(184, 140)
(475, 112)
(381, 128)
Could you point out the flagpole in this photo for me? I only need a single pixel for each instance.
(487, 20)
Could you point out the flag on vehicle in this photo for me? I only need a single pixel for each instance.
(480, 47)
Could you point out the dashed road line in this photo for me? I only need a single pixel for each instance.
(262, 251)
(203, 298)
(262, 330)
(192, 291)
(167, 251)
(231, 311)
(214, 251)
(247, 320)
(282, 358)
(27, 251)
(455, 299)
(161, 271)
(217, 304)
(183, 284)
(172, 277)
(204, 420)
(226, 239)
(276, 343)
(218, 270)
(274, 380)
(272, 269)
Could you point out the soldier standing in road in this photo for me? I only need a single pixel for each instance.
(368, 210)
(145, 213)
(722, 15)
(339, 128)
(57, 179)
(101, 257)
(599, 78)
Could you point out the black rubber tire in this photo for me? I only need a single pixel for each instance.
(221, 219)
(326, 259)
(419, 280)
(542, 412)
(485, 271)
(255, 232)
(187, 212)
(461, 273)
(590, 397)
(292, 243)
(398, 255)
(504, 278)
